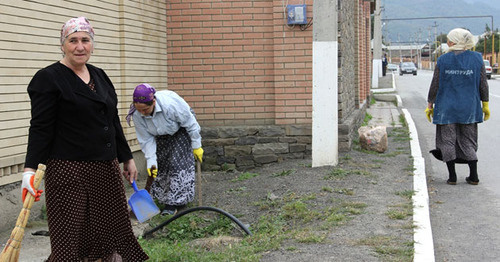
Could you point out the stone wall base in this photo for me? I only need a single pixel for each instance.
(247, 147)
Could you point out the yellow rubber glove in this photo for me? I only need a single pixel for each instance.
(198, 154)
(486, 111)
(152, 171)
(429, 112)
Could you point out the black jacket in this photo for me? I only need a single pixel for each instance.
(71, 122)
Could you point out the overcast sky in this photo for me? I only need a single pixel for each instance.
(493, 3)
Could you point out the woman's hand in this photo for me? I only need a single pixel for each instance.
(429, 112)
(486, 111)
(27, 184)
(130, 170)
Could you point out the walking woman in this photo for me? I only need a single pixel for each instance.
(457, 100)
(170, 138)
(76, 132)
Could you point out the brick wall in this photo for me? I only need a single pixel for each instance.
(240, 67)
(364, 54)
(237, 63)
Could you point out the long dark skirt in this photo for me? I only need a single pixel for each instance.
(87, 212)
(174, 184)
(457, 141)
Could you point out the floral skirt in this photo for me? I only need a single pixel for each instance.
(174, 184)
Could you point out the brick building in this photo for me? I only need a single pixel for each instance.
(248, 75)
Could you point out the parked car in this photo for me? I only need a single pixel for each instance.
(407, 68)
(392, 67)
(488, 68)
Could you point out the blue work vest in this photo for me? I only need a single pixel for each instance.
(458, 99)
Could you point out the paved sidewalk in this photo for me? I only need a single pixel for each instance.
(387, 111)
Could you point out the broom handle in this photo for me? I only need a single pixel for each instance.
(13, 246)
(198, 182)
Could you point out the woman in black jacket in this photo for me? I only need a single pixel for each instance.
(76, 132)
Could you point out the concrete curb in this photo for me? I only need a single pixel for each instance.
(424, 244)
(423, 240)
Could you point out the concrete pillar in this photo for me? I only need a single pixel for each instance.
(377, 45)
(325, 84)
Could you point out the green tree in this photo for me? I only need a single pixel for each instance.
(442, 38)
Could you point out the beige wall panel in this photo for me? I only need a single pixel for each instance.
(14, 115)
(13, 89)
(13, 150)
(15, 132)
(130, 45)
(16, 123)
(12, 141)
(14, 98)
(6, 107)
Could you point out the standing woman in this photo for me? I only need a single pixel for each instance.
(169, 136)
(457, 99)
(76, 132)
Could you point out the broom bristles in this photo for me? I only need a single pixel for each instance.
(11, 251)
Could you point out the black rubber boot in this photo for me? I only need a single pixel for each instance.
(452, 180)
(472, 178)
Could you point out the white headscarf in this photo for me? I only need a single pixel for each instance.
(462, 38)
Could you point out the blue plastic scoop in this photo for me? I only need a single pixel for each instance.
(142, 204)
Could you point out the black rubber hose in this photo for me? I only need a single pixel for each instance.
(193, 210)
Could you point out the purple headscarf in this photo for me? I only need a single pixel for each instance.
(143, 93)
(76, 24)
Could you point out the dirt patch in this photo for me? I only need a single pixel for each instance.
(380, 183)
(374, 185)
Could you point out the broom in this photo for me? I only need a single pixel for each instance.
(11, 251)
(198, 182)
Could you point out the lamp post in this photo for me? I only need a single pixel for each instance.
(390, 51)
(399, 45)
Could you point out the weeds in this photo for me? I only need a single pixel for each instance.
(367, 119)
(345, 191)
(389, 248)
(180, 240)
(327, 189)
(408, 194)
(244, 176)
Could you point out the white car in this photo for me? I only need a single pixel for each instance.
(487, 66)
(392, 67)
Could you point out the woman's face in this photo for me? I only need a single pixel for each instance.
(144, 109)
(77, 48)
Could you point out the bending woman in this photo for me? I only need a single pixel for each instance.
(169, 136)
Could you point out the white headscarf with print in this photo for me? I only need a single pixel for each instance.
(463, 39)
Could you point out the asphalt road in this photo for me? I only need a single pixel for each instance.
(464, 218)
